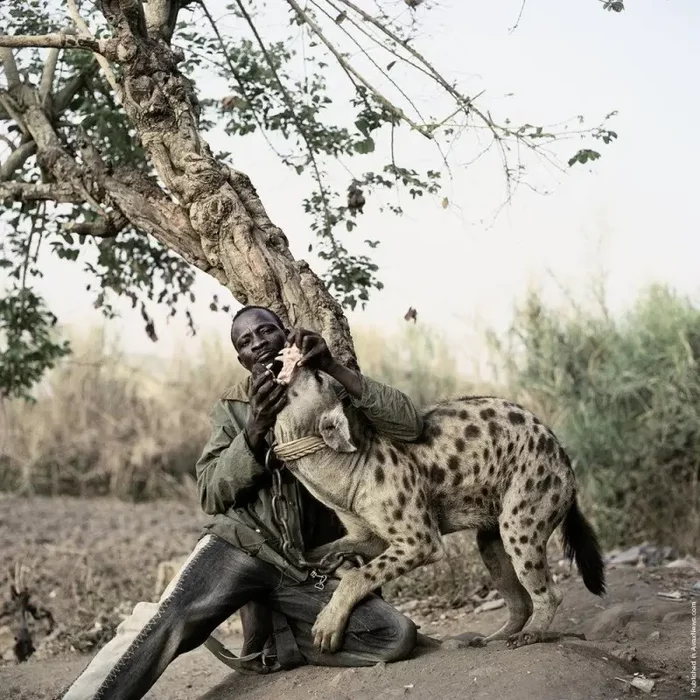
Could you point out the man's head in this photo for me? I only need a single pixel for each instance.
(258, 335)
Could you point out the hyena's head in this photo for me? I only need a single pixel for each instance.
(313, 406)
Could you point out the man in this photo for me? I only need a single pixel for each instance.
(241, 558)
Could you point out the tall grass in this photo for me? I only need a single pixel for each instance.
(624, 396)
(106, 423)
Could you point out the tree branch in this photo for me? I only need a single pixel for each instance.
(150, 210)
(102, 228)
(61, 41)
(48, 74)
(13, 112)
(8, 61)
(290, 105)
(161, 18)
(81, 24)
(126, 16)
(66, 94)
(63, 193)
(234, 73)
(17, 159)
(369, 57)
(348, 68)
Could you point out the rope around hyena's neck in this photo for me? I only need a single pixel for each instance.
(301, 447)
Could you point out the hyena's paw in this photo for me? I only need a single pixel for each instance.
(328, 630)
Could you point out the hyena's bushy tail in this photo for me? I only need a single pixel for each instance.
(581, 543)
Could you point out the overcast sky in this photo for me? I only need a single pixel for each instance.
(633, 214)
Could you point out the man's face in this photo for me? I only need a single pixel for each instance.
(257, 338)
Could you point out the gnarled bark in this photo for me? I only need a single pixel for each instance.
(210, 214)
(223, 215)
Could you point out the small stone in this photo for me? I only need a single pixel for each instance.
(627, 556)
(644, 684)
(490, 605)
(654, 636)
(625, 654)
(671, 595)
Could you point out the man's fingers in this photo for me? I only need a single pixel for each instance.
(294, 338)
(311, 355)
(260, 379)
(263, 391)
(307, 343)
(271, 395)
(273, 408)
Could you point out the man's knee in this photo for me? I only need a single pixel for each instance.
(401, 639)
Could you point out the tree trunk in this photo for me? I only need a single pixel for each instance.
(221, 225)
(208, 213)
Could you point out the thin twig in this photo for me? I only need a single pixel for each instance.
(338, 56)
(8, 142)
(13, 112)
(369, 58)
(236, 76)
(48, 73)
(81, 24)
(520, 16)
(290, 105)
(66, 94)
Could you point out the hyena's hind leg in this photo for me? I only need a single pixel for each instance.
(505, 581)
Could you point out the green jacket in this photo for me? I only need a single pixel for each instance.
(234, 486)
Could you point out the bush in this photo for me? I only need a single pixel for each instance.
(624, 396)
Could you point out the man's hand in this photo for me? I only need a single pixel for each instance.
(267, 398)
(315, 354)
(314, 350)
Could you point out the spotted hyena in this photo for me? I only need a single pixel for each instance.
(481, 462)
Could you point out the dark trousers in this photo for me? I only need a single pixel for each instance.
(216, 580)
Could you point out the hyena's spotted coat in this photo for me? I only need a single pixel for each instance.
(482, 462)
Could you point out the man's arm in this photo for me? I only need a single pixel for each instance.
(227, 467)
(392, 412)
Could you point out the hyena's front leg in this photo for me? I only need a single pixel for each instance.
(403, 554)
(367, 547)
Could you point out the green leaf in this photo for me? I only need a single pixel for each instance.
(366, 146)
(583, 156)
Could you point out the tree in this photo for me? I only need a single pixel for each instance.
(105, 152)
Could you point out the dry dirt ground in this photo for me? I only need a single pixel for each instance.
(91, 560)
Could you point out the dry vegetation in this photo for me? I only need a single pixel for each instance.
(622, 394)
(106, 424)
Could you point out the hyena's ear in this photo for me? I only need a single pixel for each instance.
(335, 430)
